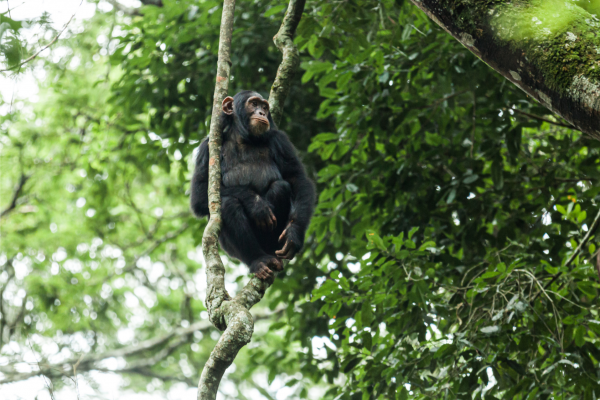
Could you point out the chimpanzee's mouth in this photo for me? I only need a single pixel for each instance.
(261, 120)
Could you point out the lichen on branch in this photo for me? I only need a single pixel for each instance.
(284, 40)
(548, 48)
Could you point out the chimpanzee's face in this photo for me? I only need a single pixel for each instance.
(257, 110)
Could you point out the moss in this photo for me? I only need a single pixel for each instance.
(561, 37)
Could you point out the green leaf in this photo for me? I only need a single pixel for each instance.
(353, 362)
(490, 274)
(501, 267)
(412, 232)
(587, 288)
(334, 309)
(427, 245)
(367, 341)
(433, 139)
(323, 137)
(451, 196)
(403, 394)
(533, 394)
(277, 325)
(580, 332)
(470, 179)
(498, 173)
(343, 80)
(513, 141)
(444, 350)
(274, 10)
(560, 209)
(375, 238)
(366, 314)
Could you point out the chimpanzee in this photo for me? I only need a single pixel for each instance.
(267, 199)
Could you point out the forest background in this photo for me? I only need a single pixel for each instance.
(448, 203)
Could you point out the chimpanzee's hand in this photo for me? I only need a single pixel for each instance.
(264, 266)
(263, 215)
(293, 242)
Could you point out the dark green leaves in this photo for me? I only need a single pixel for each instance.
(498, 173)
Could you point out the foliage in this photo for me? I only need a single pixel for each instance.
(443, 211)
(486, 194)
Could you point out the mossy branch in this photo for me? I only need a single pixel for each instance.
(535, 61)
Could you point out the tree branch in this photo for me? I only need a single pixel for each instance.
(233, 316)
(157, 3)
(586, 238)
(87, 362)
(151, 374)
(573, 93)
(284, 40)
(45, 47)
(215, 271)
(543, 119)
(17, 193)
(120, 7)
(156, 244)
(134, 11)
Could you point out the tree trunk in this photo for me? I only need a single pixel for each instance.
(549, 49)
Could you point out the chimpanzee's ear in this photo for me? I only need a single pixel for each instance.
(228, 105)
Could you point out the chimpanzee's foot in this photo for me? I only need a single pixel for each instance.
(264, 266)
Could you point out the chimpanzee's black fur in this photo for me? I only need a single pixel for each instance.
(257, 173)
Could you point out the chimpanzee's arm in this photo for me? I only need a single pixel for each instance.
(253, 204)
(199, 189)
(303, 191)
(199, 196)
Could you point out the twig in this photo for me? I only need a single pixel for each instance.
(46, 46)
(129, 267)
(138, 213)
(19, 188)
(147, 372)
(474, 122)
(587, 237)
(438, 101)
(48, 383)
(598, 263)
(544, 119)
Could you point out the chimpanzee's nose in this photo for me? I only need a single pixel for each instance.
(262, 113)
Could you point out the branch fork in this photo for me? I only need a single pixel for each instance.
(232, 316)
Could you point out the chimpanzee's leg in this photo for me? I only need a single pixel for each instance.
(239, 240)
(279, 197)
